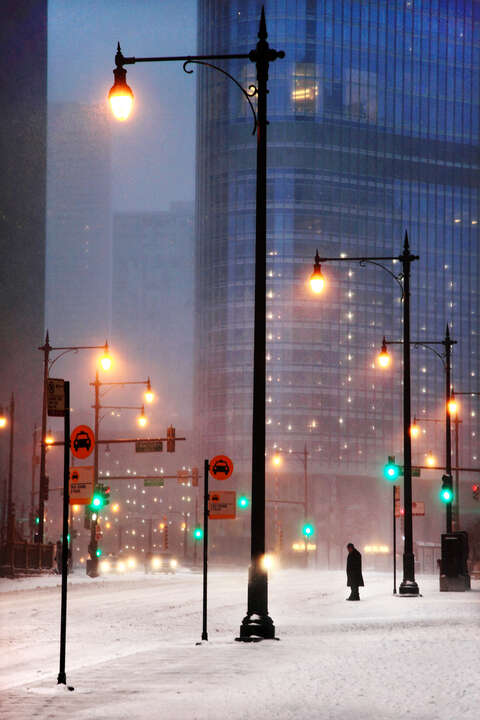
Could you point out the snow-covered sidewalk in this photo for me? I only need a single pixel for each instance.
(131, 650)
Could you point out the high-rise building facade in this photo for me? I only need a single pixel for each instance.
(374, 130)
(23, 139)
(79, 225)
(152, 298)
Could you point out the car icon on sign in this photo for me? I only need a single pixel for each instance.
(221, 467)
(82, 440)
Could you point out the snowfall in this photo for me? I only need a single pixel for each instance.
(134, 649)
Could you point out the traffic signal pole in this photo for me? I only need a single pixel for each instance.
(206, 469)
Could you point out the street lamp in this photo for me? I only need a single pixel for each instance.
(257, 623)
(408, 585)
(317, 281)
(301, 455)
(46, 348)
(450, 405)
(10, 520)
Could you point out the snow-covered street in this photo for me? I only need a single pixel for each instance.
(132, 653)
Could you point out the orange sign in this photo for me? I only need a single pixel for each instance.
(222, 505)
(82, 442)
(220, 467)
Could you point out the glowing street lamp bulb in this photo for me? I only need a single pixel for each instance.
(115, 508)
(3, 420)
(120, 95)
(277, 460)
(384, 358)
(49, 439)
(452, 406)
(431, 462)
(317, 281)
(414, 429)
(106, 360)
(142, 420)
(149, 396)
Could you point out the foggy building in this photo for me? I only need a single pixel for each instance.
(79, 245)
(23, 93)
(374, 129)
(152, 297)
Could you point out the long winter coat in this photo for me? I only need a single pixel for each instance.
(354, 569)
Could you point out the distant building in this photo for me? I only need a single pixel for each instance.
(79, 232)
(152, 299)
(23, 99)
(374, 129)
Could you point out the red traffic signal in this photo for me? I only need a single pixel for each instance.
(476, 491)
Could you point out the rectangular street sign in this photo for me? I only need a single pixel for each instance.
(222, 505)
(153, 482)
(183, 475)
(81, 484)
(148, 446)
(415, 471)
(55, 397)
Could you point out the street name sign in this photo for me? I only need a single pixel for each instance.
(55, 397)
(222, 505)
(148, 446)
(220, 467)
(82, 442)
(415, 471)
(81, 484)
(153, 482)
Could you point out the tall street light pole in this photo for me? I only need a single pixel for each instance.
(257, 623)
(446, 359)
(408, 586)
(46, 348)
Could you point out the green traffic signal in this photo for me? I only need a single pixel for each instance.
(308, 530)
(198, 533)
(243, 502)
(37, 520)
(97, 501)
(446, 493)
(391, 471)
(98, 552)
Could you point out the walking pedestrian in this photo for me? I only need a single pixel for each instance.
(354, 571)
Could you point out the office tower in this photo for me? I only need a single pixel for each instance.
(23, 93)
(374, 129)
(152, 298)
(79, 245)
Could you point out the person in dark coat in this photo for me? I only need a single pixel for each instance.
(354, 571)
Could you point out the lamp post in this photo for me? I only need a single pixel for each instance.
(9, 521)
(46, 348)
(446, 359)
(408, 586)
(257, 623)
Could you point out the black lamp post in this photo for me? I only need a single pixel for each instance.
(46, 348)
(408, 586)
(9, 510)
(256, 624)
(446, 359)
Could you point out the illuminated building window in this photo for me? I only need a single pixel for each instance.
(306, 89)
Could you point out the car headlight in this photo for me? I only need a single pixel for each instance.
(156, 563)
(173, 563)
(105, 566)
(121, 567)
(131, 562)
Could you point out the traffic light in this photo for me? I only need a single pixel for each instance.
(391, 470)
(170, 439)
(195, 477)
(101, 497)
(106, 495)
(243, 502)
(476, 492)
(446, 493)
(98, 552)
(198, 533)
(308, 530)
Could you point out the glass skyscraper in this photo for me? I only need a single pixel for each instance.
(374, 130)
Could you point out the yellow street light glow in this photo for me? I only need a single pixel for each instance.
(384, 358)
(431, 461)
(120, 95)
(3, 419)
(142, 420)
(414, 429)
(131, 562)
(115, 508)
(49, 439)
(317, 281)
(149, 396)
(277, 460)
(452, 406)
(106, 360)
(76, 508)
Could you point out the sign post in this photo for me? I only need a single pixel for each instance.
(396, 501)
(62, 677)
(205, 548)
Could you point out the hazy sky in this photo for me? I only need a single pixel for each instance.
(154, 152)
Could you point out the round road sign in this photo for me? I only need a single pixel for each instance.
(82, 442)
(221, 467)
